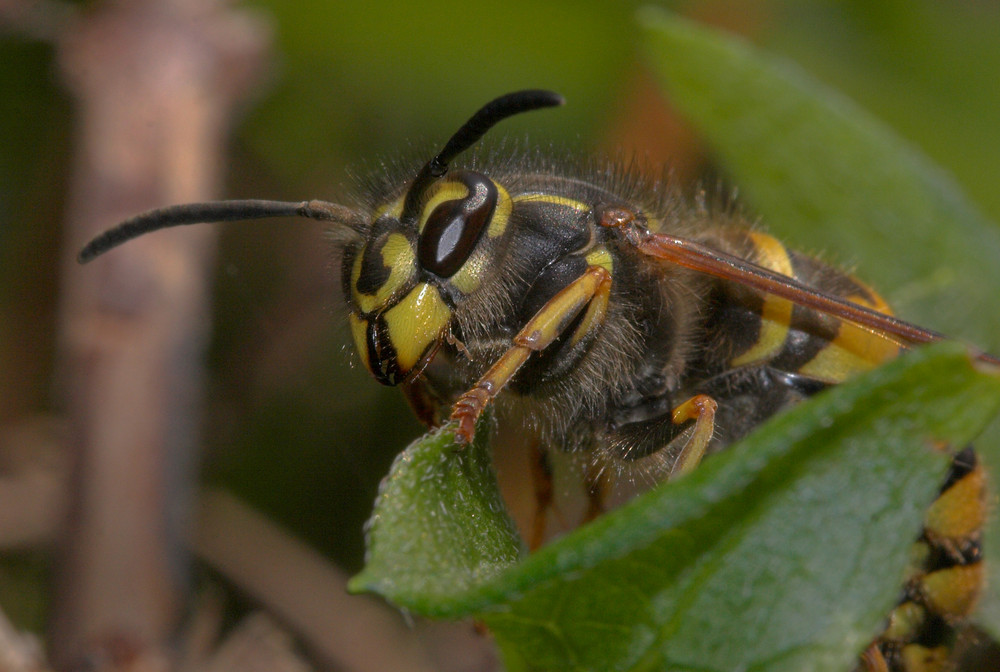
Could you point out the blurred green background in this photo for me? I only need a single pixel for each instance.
(290, 424)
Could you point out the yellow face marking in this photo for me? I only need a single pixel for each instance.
(441, 193)
(855, 349)
(399, 257)
(501, 214)
(539, 197)
(359, 328)
(416, 322)
(775, 314)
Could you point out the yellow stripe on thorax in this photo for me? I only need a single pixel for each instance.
(538, 197)
(775, 314)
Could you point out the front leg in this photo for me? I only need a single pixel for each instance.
(590, 292)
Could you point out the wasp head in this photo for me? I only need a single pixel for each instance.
(402, 282)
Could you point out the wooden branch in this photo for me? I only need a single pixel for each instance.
(304, 590)
(258, 644)
(19, 651)
(290, 581)
(33, 465)
(156, 83)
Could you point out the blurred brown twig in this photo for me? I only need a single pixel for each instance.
(155, 83)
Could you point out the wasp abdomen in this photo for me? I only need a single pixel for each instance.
(753, 329)
(944, 578)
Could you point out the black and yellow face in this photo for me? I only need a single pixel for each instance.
(403, 281)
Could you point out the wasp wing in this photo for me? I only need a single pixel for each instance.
(702, 258)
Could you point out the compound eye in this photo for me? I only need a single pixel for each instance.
(454, 227)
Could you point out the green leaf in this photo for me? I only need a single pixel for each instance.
(927, 67)
(827, 175)
(784, 552)
(439, 528)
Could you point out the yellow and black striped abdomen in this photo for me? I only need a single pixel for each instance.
(796, 339)
(944, 579)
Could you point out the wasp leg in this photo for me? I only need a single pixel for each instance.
(667, 442)
(872, 660)
(590, 291)
(700, 408)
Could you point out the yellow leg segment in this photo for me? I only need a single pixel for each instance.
(541, 331)
(700, 408)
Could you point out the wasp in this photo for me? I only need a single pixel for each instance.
(617, 320)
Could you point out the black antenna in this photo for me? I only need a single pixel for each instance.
(488, 116)
(215, 211)
(227, 211)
